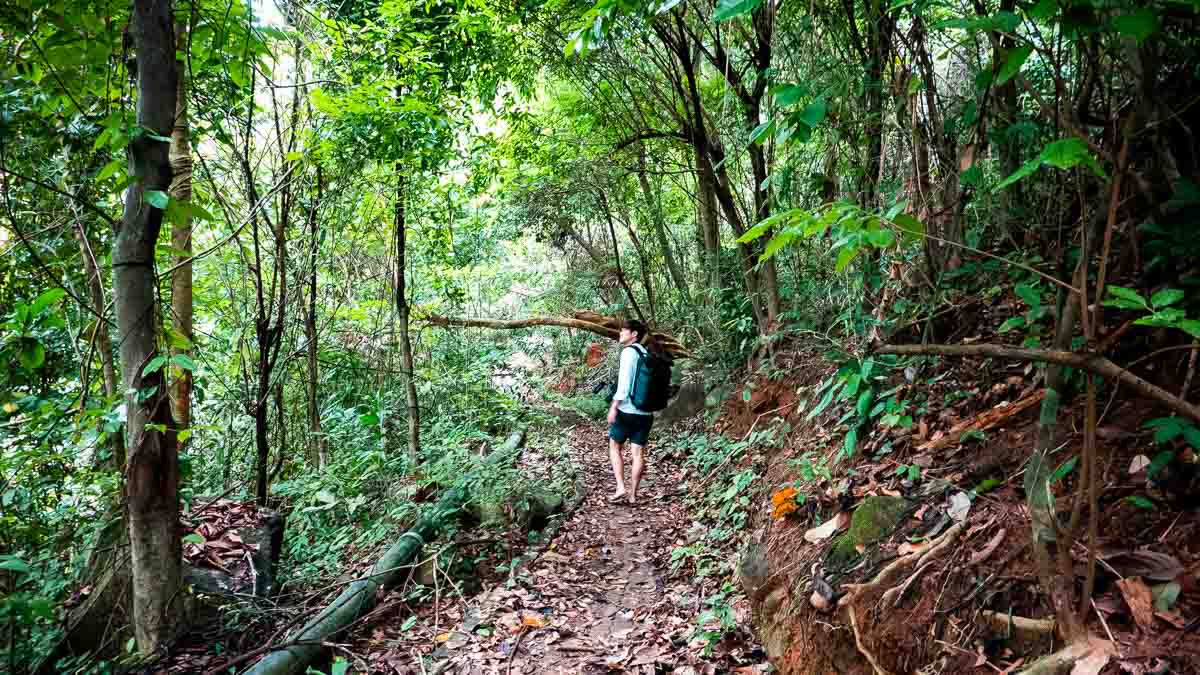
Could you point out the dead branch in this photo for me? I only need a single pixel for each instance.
(1091, 363)
(604, 326)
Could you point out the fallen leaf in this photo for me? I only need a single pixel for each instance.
(827, 530)
(960, 506)
(1146, 564)
(1174, 619)
(1141, 602)
(1139, 464)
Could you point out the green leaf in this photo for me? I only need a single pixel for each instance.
(729, 9)
(32, 355)
(155, 364)
(788, 94)
(1012, 323)
(813, 113)
(1166, 297)
(845, 256)
(157, 198)
(915, 84)
(15, 564)
(851, 443)
(913, 229)
(1141, 502)
(1012, 66)
(761, 132)
(1165, 595)
(1044, 9)
(194, 538)
(824, 403)
(1030, 294)
(294, 156)
(184, 362)
(340, 666)
(1139, 25)
(755, 232)
(1190, 326)
(45, 300)
(1070, 152)
(110, 169)
(1064, 469)
(408, 623)
(368, 420)
(864, 402)
(184, 435)
(1025, 171)
(1125, 298)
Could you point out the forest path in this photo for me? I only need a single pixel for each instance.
(599, 597)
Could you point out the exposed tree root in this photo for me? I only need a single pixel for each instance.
(890, 575)
(1084, 657)
(879, 670)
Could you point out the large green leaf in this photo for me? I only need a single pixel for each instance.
(729, 9)
(1139, 25)
(32, 355)
(1166, 297)
(1025, 171)
(813, 113)
(1069, 153)
(45, 300)
(788, 94)
(1016, 59)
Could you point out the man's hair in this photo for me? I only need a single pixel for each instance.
(645, 337)
(637, 327)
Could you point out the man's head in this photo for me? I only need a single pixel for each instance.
(632, 331)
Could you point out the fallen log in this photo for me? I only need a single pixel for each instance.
(359, 596)
(591, 322)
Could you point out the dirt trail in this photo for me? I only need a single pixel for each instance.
(599, 598)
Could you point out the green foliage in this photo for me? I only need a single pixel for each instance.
(1160, 308)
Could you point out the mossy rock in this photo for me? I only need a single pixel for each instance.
(874, 518)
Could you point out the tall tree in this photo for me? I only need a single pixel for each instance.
(181, 237)
(152, 471)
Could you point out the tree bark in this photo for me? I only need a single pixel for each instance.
(612, 233)
(180, 154)
(402, 312)
(317, 446)
(654, 206)
(152, 472)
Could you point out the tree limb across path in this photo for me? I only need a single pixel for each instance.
(591, 322)
(1087, 362)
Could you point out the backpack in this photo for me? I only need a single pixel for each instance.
(651, 387)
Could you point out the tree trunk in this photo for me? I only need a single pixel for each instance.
(647, 282)
(108, 369)
(317, 447)
(180, 154)
(709, 222)
(402, 312)
(152, 473)
(654, 205)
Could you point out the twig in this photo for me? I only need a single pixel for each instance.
(516, 646)
(1106, 629)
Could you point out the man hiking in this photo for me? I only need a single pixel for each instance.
(627, 422)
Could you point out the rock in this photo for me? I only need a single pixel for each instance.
(687, 402)
(874, 518)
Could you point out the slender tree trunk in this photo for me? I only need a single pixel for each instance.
(402, 312)
(181, 237)
(709, 221)
(152, 473)
(654, 205)
(317, 444)
(647, 282)
(108, 369)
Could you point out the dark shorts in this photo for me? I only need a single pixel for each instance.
(632, 428)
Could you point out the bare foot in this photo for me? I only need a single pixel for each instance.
(616, 496)
(632, 500)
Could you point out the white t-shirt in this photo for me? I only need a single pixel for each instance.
(625, 375)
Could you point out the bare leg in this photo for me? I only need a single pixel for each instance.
(635, 475)
(618, 467)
